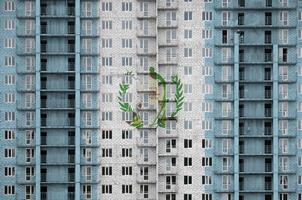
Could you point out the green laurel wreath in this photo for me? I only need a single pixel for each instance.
(179, 98)
(126, 107)
(160, 119)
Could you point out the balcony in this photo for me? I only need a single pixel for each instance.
(46, 12)
(268, 167)
(268, 186)
(71, 158)
(71, 195)
(164, 187)
(71, 177)
(268, 149)
(43, 195)
(168, 5)
(43, 177)
(59, 50)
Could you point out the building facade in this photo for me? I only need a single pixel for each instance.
(64, 135)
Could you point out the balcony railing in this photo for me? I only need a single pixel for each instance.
(71, 196)
(43, 195)
(268, 149)
(268, 186)
(71, 177)
(43, 159)
(43, 177)
(71, 158)
(71, 140)
(268, 167)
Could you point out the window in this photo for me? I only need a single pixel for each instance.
(206, 71)
(187, 124)
(206, 161)
(106, 134)
(126, 189)
(9, 61)
(87, 9)
(206, 196)
(9, 153)
(226, 127)
(106, 171)
(126, 61)
(284, 182)
(9, 189)
(226, 54)
(240, 18)
(188, 34)
(226, 162)
(126, 43)
(188, 70)
(187, 143)
(283, 36)
(107, 61)
(187, 161)
(206, 143)
(126, 152)
(9, 98)
(107, 25)
(86, 191)
(268, 18)
(29, 137)
(87, 171)
(107, 116)
(106, 6)
(29, 155)
(126, 24)
(224, 4)
(9, 24)
(107, 97)
(29, 118)
(226, 17)
(87, 27)
(126, 6)
(188, 197)
(188, 106)
(9, 171)
(283, 17)
(187, 180)
(206, 125)
(10, 79)
(9, 116)
(188, 15)
(188, 52)
(29, 173)
(87, 154)
(206, 33)
(107, 80)
(87, 100)
(283, 146)
(87, 118)
(206, 89)
(284, 3)
(206, 52)
(9, 5)
(9, 43)
(206, 180)
(126, 134)
(283, 163)
(188, 88)
(106, 189)
(9, 135)
(87, 138)
(87, 82)
(206, 16)
(126, 171)
(268, 3)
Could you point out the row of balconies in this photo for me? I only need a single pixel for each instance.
(65, 12)
(255, 5)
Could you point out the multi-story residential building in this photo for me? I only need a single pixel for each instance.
(64, 136)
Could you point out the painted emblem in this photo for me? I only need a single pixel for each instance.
(161, 115)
